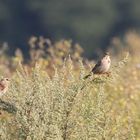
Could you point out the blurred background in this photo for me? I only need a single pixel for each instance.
(92, 23)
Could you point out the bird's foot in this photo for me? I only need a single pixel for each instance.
(108, 74)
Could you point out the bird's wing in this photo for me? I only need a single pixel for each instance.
(2, 87)
(96, 66)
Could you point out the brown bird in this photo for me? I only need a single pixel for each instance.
(4, 83)
(102, 66)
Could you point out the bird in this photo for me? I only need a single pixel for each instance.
(102, 66)
(4, 84)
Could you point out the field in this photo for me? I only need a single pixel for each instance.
(48, 98)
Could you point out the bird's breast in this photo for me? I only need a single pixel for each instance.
(106, 66)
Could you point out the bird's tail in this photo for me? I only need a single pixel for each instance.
(87, 76)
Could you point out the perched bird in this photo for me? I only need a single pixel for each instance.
(4, 83)
(102, 66)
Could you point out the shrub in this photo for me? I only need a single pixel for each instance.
(65, 107)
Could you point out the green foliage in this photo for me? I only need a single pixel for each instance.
(92, 23)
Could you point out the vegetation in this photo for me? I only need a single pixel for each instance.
(48, 99)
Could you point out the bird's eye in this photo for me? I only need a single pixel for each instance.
(7, 79)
